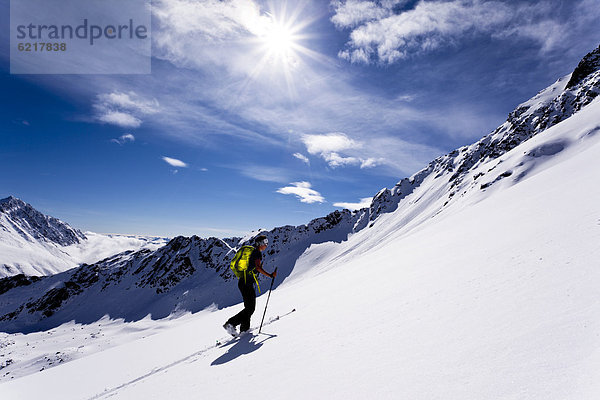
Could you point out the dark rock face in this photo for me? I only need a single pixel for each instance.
(84, 277)
(30, 223)
(172, 263)
(588, 65)
(12, 282)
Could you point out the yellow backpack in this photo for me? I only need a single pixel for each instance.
(241, 262)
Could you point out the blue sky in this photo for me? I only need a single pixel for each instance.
(261, 114)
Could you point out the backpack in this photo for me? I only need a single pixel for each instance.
(241, 261)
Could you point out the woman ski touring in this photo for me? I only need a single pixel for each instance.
(245, 264)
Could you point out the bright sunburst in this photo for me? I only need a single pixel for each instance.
(279, 39)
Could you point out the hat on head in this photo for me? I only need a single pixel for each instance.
(261, 240)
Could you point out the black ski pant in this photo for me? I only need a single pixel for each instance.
(249, 295)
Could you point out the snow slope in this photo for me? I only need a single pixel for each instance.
(494, 298)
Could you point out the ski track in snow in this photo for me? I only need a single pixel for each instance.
(224, 342)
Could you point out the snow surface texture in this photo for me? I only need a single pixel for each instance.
(490, 300)
(35, 244)
(475, 278)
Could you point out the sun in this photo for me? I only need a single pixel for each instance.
(279, 41)
(278, 46)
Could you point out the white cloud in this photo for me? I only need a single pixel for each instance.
(302, 158)
(386, 35)
(328, 143)
(395, 155)
(370, 162)
(339, 150)
(128, 137)
(303, 191)
(329, 146)
(335, 160)
(119, 118)
(129, 101)
(354, 12)
(212, 20)
(174, 162)
(363, 203)
(123, 109)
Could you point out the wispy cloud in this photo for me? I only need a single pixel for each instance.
(387, 35)
(264, 173)
(363, 203)
(119, 118)
(129, 101)
(351, 13)
(303, 191)
(128, 137)
(174, 162)
(302, 158)
(123, 109)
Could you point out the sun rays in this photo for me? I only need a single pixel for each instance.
(279, 46)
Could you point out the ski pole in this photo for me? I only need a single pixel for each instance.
(267, 303)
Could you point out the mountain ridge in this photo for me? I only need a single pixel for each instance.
(35, 244)
(33, 225)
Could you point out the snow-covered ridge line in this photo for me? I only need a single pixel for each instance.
(188, 273)
(549, 107)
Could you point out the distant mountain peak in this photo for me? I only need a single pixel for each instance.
(11, 201)
(31, 224)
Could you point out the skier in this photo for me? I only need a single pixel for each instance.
(246, 287)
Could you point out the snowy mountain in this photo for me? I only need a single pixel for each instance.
(475, 278)
(31, 242)
(192, 273)
(35, 244)
(33, 225)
